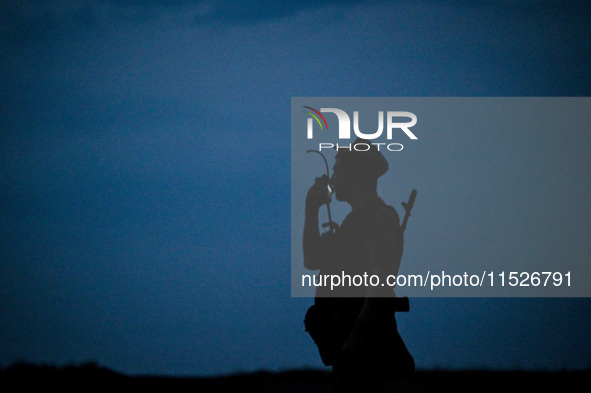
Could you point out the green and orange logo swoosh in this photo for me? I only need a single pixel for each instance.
(316, 117)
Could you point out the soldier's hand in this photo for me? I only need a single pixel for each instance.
(318, 194)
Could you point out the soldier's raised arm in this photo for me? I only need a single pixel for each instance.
(314, 248)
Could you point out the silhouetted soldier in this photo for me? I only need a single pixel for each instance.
(353, 325)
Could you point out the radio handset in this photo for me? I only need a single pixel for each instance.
(332, 226)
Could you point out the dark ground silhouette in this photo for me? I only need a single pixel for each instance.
(24, 377)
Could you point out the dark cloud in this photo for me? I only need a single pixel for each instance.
(31, 21)
(207, 10)
(245, 12)
(35, 22)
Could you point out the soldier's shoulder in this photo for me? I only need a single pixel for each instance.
(381, 214)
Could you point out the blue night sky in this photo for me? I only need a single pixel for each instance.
(145, 173)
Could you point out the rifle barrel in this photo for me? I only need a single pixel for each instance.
(408, 207)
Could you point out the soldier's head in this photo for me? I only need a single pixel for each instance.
(357, 170)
